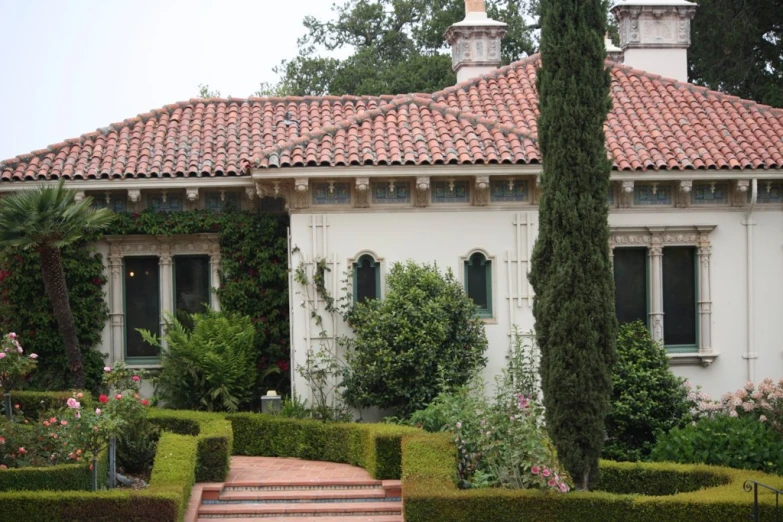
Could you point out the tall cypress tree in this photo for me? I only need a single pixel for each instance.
(571, 273)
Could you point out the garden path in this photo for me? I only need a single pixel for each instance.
(286, 489)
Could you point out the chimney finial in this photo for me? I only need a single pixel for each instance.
(475, 6)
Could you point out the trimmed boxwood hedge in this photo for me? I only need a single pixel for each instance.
(375, 447)
(214, 434)
(34, 403)
(430, 493)
(165, 500)
(64, 477)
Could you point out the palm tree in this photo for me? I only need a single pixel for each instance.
(47, 219)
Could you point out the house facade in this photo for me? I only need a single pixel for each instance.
(453, 177)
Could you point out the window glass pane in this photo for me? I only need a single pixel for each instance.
(630, 282)
(679, 296)
(191, 284)
(477, 269)
(142, 304)
(366, 279)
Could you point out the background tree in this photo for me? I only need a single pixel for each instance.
(46, 220)
(738, 49)
(571, 272)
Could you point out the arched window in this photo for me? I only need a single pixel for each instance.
(366, 279)
(478, 282)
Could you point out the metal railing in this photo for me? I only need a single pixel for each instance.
(752, 485)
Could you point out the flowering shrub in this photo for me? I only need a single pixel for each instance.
(14, 364)
(763, 403)
(501, 442)
(46, 443)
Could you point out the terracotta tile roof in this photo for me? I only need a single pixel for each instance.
(410, 130)
(655, 124)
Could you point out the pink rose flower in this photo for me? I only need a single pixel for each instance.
(12, 335)
(546, 472)
(564, 487)
(22, 451)
(2, 440)
(73, 403)
(2, 355)
(33, 356)
(535, 470)
(118, 396)
(79, 395)
(107, 368)
(551, 483)
(97, 411)
(136, 378)
(64, 422)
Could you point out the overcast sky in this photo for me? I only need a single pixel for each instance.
(68, 67)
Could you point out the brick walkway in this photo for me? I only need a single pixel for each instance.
(254, 469)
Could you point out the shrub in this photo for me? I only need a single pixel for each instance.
(647, 397)
(42, 404)
(375, 447)
(424, 332)
(211, 367)
(430, 494)
(763, 403)
(723, 441)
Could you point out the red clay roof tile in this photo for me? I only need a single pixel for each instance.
(655, 124)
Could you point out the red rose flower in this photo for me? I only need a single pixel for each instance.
(103, 399)
(145, 402)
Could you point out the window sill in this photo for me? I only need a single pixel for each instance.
(692, 359)
(488, 320)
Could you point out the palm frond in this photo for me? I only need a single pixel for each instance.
(48, 216)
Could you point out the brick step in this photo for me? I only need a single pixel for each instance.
(299, 495)
(335, 509)
(301, 485)
(383, 518)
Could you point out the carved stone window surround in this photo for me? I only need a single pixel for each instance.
(655, 239)
(164, 248)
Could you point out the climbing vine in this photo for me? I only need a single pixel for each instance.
(253, 282)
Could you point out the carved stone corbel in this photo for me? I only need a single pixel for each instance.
(626, 194)
(79, 196)
(741, 192)
(684, 194)
(251, 192)
(482, 191)
(422, 189)
(192, 194)
(301, 186)
(362, 192)
(134, 195)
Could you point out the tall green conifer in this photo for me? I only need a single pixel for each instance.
(571, 274)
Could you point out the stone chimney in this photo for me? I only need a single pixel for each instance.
(613, 52)
(475, 42)
(655, 35)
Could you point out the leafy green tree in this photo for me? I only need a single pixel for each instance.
(46, 220)
(422, 337)
(738, 49)
(647, 398)
(571, 272)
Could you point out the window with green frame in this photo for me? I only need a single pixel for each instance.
(478, 282)
(191, 284)
(366, 279)
(142, 306)
(630, 283)
(680, 280)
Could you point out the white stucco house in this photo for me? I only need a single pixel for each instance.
(453, 177)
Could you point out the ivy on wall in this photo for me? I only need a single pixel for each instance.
(253, 282)
(24, 309)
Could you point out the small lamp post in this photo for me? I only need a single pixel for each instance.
(271, 402)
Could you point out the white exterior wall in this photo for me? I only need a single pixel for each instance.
(445, 237)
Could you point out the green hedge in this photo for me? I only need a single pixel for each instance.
(33, 403)
(430, 493)
(214, 434)
(173, 475)
(375, 447)
(65, 477)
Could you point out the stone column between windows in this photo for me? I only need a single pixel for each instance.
(166, 285)
(214, 269)
(117, 314)
(656, 278)
(705, 298)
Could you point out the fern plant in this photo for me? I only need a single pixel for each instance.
(207, 365)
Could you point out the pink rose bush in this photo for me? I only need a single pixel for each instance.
(15, 366)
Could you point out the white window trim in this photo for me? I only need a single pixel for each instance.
(655, 239)
(164, 248)
(493, 284)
